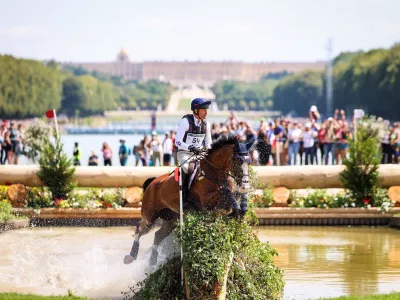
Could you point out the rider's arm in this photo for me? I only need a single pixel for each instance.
(180, 133)
(208, 139)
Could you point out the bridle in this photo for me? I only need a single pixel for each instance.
(215, 179)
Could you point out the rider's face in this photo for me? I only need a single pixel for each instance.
(202, 113)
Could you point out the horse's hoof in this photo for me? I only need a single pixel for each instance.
(128, 259)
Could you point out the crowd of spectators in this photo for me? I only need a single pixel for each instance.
(289, 141)
(305, 141)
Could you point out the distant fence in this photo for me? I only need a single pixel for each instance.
(291, 177)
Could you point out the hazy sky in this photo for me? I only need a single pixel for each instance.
(248, 30)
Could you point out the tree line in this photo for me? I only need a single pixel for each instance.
(28, 88)
(368, 80)
(237, 95)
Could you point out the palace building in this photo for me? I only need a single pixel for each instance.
(187, 73)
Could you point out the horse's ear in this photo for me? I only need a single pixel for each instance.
(250, 144)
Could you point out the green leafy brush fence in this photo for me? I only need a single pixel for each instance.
(215, 246)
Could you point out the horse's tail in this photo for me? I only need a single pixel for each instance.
(147, 182)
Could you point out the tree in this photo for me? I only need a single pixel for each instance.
(361, 173)
(56, 169)
(242, 95)
(35, 137)
(73, 96)
(298, 92)
(27, 87)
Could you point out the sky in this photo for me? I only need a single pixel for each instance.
(239, 30)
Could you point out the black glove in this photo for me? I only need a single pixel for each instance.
(194, 149)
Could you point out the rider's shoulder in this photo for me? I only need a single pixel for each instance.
(188, 117)
(184, 122)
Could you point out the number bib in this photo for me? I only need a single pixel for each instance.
(195, 139)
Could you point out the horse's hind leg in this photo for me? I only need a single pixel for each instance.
(141, 229)
(159, 236)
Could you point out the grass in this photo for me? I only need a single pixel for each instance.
(15, 296)
(391, 296)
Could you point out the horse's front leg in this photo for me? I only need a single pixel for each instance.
(141, 228)
(160, 235)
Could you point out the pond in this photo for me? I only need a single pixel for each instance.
(317, 261)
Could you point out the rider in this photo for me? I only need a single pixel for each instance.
(192, 137)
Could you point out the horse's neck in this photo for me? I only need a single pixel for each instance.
(215, 164)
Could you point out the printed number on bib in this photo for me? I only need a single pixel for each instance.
(195, 139)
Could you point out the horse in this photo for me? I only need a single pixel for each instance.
(226, 161)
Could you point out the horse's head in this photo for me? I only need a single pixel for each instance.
(240, 164)
(229, 157)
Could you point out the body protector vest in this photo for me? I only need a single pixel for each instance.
(196, 134)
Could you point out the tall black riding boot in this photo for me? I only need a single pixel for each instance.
(187, 199)
(185, 190)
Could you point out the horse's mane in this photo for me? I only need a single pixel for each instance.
(221, 141)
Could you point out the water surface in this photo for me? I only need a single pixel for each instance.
(317, 261)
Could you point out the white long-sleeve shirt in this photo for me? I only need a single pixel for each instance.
(167, 146)
(183, 127)
(308, 138)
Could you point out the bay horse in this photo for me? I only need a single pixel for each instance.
(210, 190)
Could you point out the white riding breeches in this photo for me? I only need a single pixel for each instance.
(183, 156)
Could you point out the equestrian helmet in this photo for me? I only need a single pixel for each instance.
(199, 103)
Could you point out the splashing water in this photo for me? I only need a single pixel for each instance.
(318, 261)
(87, 261)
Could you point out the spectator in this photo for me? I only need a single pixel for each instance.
(14, 142)
(294, 143)
(314, 114)
(18, 147)
(215, 131)
(8, 147)
(389, 145)
(174, 147)
(107, 154)
(123, 153)
(315, 128)
(136, 155)
(308, 143)
(262, 146)
(167, 150)
(343, 145)
(322, 141)
(155, 146)
(93, 159)
(281, 137)
(77, 153)
(271, 139)
(330, 140)
(3, 145)
(232, 120)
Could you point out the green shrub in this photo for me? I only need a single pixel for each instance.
(362, 164)
(264, 200)
(5, 210)
(208, 241)
(38, 197)
(4, 192)
(35, 137)
(56, 169)
(382, 200)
